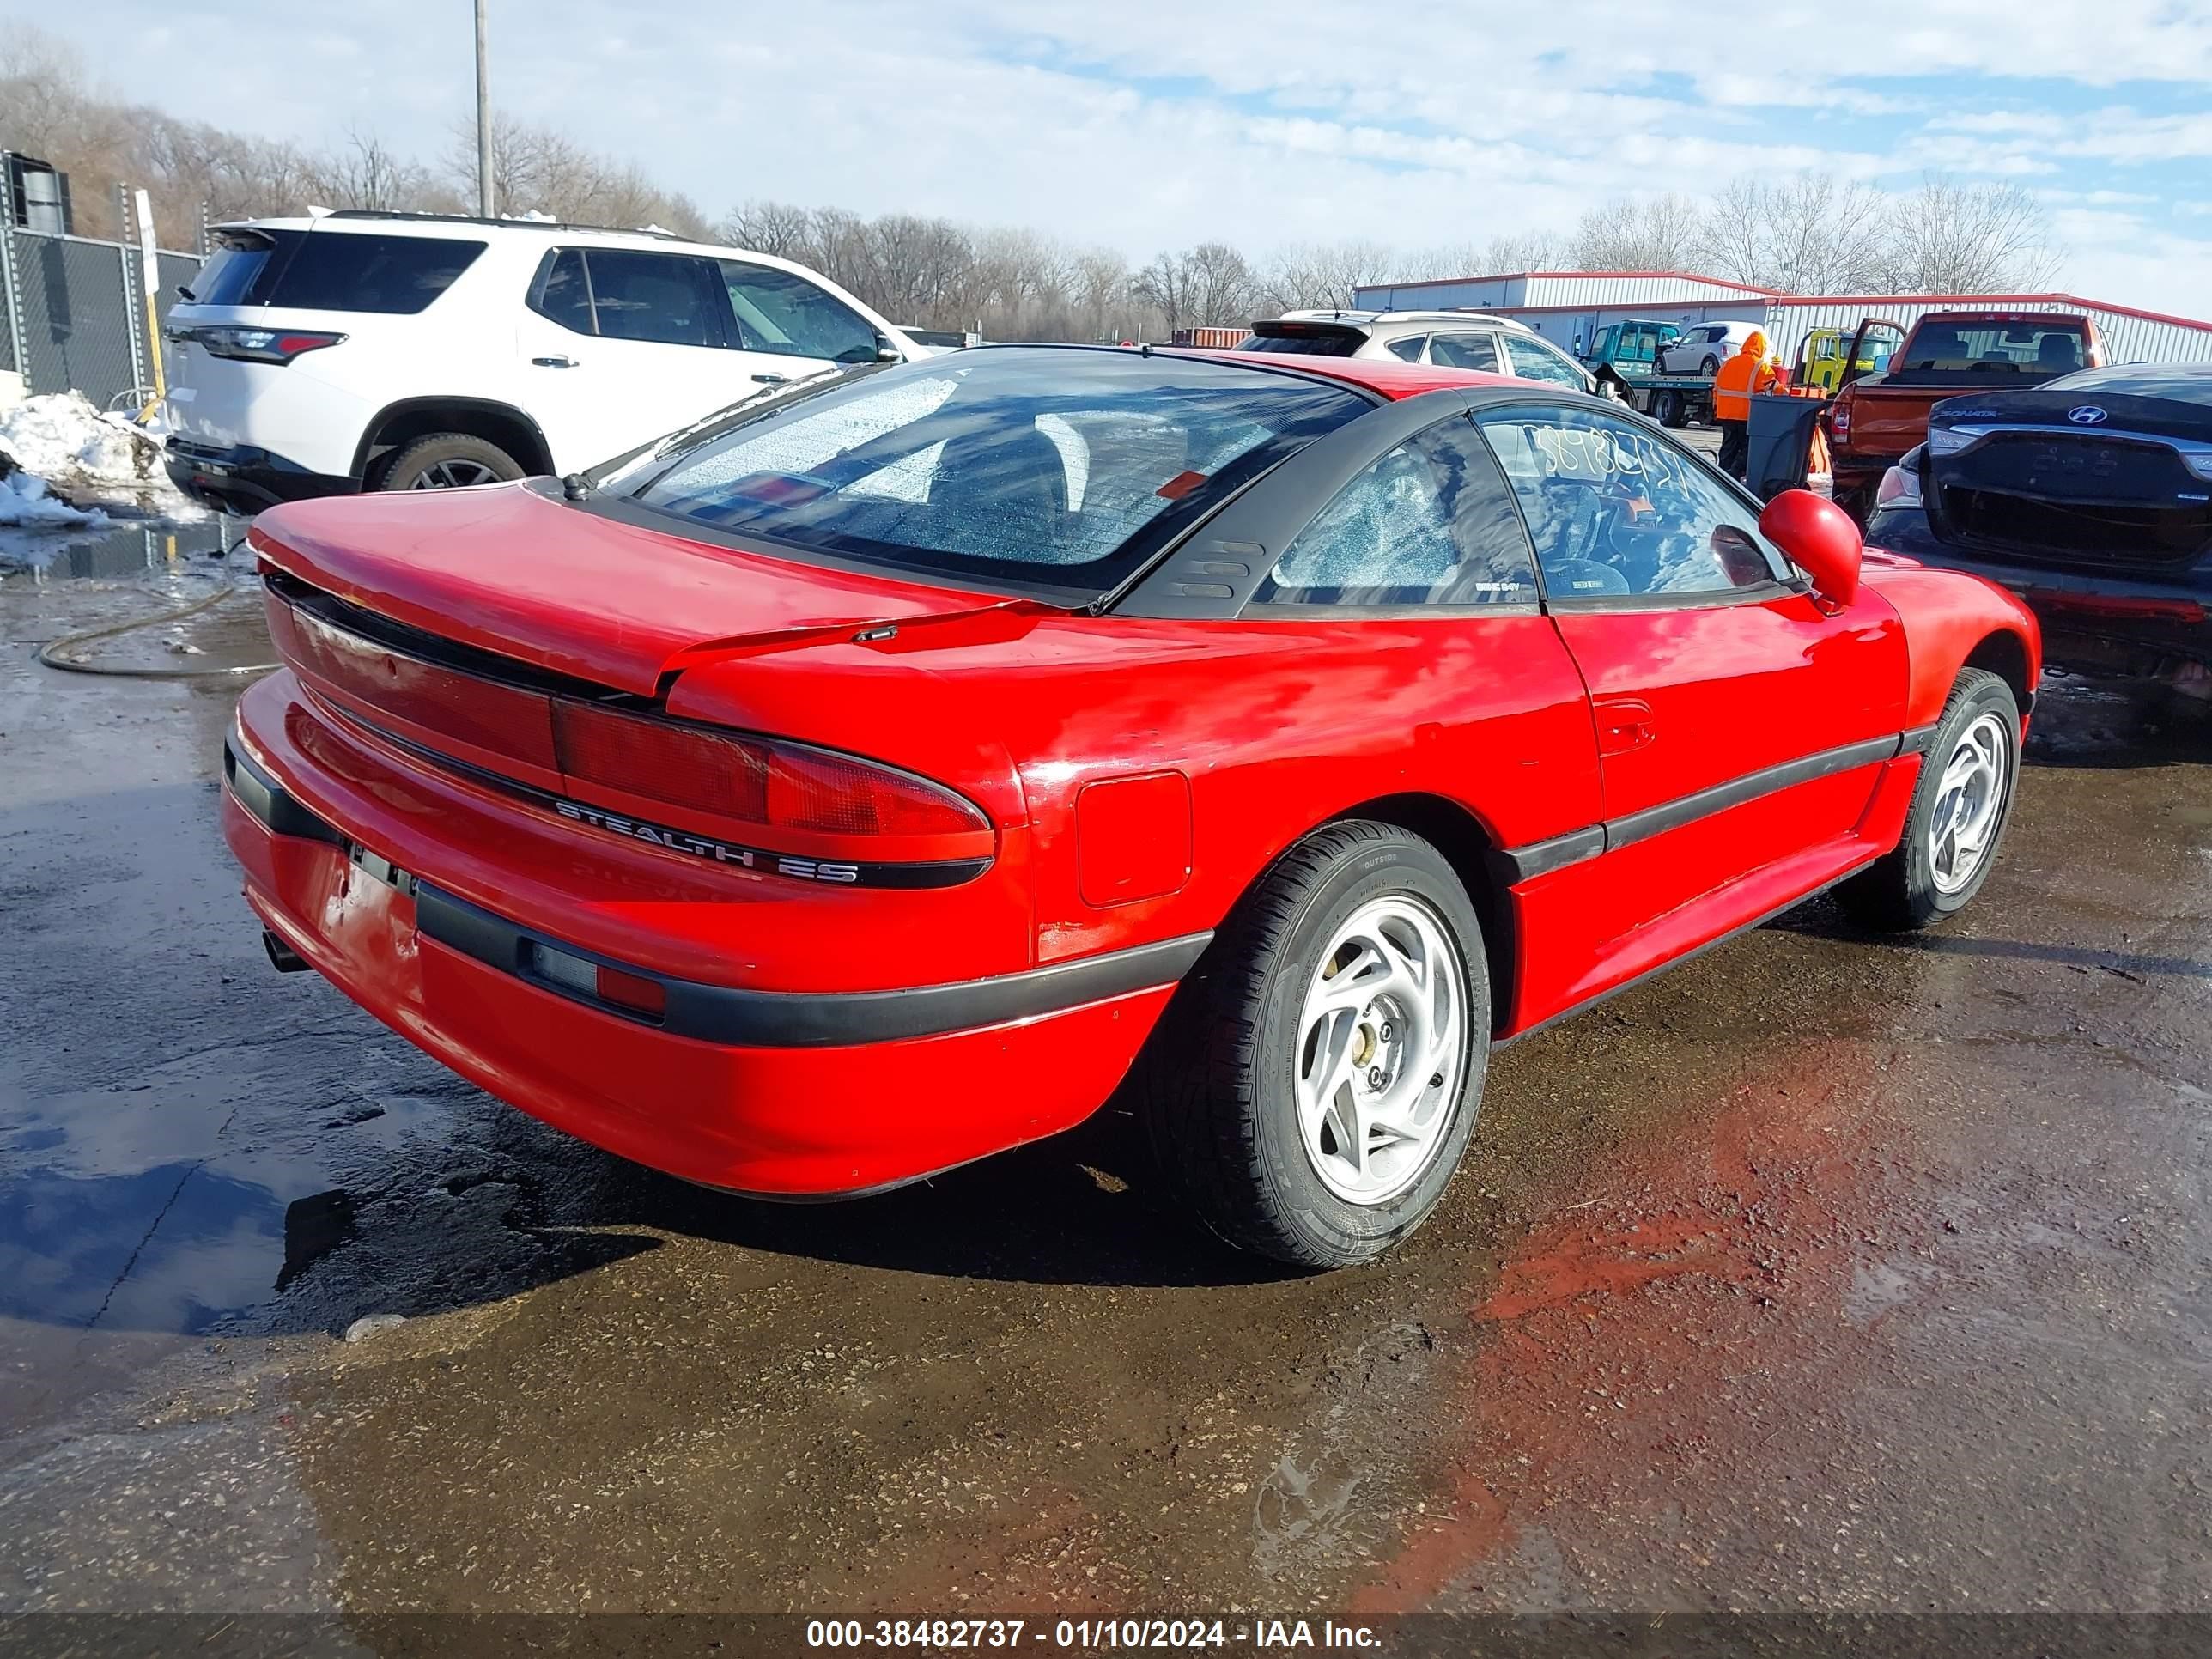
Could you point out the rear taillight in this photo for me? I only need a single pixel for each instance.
(635, 994)
(260, 345)
(1839, 420)
(809, 800)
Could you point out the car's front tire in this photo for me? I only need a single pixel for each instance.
(1711, 366)
(449, 460)
(1960, 809)
(1314, 1086)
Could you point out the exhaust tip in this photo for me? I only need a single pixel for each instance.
(281, 956)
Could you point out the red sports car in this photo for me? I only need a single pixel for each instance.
(853, 786)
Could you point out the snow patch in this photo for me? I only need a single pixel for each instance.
(60, 436)
(25, 505)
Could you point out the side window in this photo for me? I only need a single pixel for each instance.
(787, 314)
(1617, 511)
(1429, 523)
(1532, 362)
(397, 275)
(671, 299)
(1464, 352)
(1409, 347)
(563, 292)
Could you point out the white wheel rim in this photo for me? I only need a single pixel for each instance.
(1382, 1050)
(1970, 801)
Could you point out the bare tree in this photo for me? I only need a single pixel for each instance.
(1164, 285)
(1807, 234)
(365, 174)
(1207, 285)
(1630, 233)
(775, 227)
(1949, 237)
(1326, 274)
(1508, 256)
(1101, 294)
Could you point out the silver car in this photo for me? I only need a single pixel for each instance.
(1456, 339)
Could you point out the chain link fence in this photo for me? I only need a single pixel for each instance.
(73, 310)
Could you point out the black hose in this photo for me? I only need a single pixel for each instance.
(50, 654)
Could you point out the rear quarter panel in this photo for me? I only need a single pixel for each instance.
(1278, 726)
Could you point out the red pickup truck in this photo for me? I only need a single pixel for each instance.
(1876, 419)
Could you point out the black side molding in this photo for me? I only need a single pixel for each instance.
(1519, 864)
(787, 1019)
(263, 796)
(1540, 858)
(1688, 809)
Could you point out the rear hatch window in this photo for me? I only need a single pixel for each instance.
(1026, 466)
(1307, 339)
(331, 270)
(1973, 352)
(238, 272)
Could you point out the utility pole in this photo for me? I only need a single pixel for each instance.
(484, 205)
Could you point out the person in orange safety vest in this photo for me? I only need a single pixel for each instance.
(1747, 372)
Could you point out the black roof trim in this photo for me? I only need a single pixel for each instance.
(514, 224)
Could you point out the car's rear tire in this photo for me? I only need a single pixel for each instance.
(1959, 809)
(1711, 366)
(1307, 1115)
(448, 460)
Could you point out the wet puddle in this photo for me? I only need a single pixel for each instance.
(124, 546)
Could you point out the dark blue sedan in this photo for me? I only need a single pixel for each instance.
(2090, 497)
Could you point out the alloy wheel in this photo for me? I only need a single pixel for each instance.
(1970, 802)
(453, 475)
(1382, 1049)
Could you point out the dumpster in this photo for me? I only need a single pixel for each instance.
(1777, 440)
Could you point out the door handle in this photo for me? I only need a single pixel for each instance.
(1624, 725)
(555, 362)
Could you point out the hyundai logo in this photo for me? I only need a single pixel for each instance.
(2086, 415)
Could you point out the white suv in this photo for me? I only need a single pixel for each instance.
(1703, 349)
(1457, 339)
(412, 351)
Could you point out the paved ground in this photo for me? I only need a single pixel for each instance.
(1823, 1272)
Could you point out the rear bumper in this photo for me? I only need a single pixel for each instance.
(775, 1093)
(245, 480)
(2124, 622)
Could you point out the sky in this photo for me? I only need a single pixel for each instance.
(1144, 124)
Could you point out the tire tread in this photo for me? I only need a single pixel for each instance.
(1211, 1155)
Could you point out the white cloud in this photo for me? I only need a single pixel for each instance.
(1146, 124)
(2114, 134)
